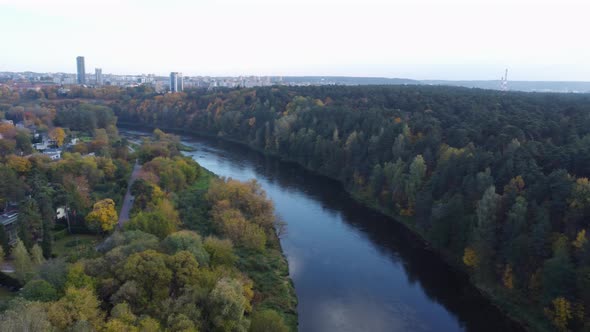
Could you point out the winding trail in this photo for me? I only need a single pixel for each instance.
(128, 200)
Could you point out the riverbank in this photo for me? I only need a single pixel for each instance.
(268, 269)
(503, 302)
(272, 287)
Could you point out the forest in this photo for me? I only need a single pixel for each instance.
(198, 253)
(496, 182)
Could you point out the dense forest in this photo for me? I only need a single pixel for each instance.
(197, 253)
(497, 182)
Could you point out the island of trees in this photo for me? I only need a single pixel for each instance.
(198, 253)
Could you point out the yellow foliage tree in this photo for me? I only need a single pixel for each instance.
(75, 305)
(580, 194)
(470, 257)
(19, 164)
(515, 185)
(561, 313)
(58, 134)
(580, 240)
(103, 215)
(508, 277)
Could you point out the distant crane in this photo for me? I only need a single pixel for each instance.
(504, 82)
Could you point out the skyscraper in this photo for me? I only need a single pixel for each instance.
(81, 70)
(176, 82)
(98, 74)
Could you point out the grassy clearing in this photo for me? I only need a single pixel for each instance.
(75, 245)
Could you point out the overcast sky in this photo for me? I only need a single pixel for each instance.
(421, 39)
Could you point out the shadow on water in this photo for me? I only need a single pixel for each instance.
(422, 268)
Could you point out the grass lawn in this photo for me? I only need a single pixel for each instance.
(75, 245)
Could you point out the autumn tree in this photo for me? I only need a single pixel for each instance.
(58, 135)
(155, 223)
(220, 251)
(150, 271)
(77, 305)
(268, 321)
(560, 313)
(25, 316)
(37, 255)
(22, 261)
(227, 305)
(103, 215)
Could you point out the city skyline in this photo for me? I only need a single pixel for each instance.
(462, 40)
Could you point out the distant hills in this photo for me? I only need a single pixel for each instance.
(527, 86)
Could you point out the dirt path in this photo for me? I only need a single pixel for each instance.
(128, 200)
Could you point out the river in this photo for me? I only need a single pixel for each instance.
(353, 269)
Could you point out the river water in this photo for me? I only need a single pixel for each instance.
(353, 269)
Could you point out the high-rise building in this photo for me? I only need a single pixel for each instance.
(98, 74)
(176, 82)
(81, 70)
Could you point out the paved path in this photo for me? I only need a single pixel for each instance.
(128, 200)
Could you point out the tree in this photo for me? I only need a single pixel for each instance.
(58, 135)
(154, 223)
(180, 322)
(558, 272)
(25, 316)
(54, 272)
(23, 142)
(580, 198)
(485, 232)
(580, 240)
(508, 278)
(149, 270)
(560, 314)
(227, 305)
(37, 255)
(470, 257)
(415, 179)
(220, 251)
(103, 215)
(77, 305)
(21, 165)
(268, 321)
(148, 324)
(122, 319)
(22, 261)
(29, 223)
(77, 278)
(189, 241)
(39, 290)
(185, 270)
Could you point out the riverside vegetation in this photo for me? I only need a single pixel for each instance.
(497, 182)
(198, 253)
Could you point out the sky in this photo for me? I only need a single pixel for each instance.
(418, 39)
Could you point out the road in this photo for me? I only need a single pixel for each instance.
(128, 200)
